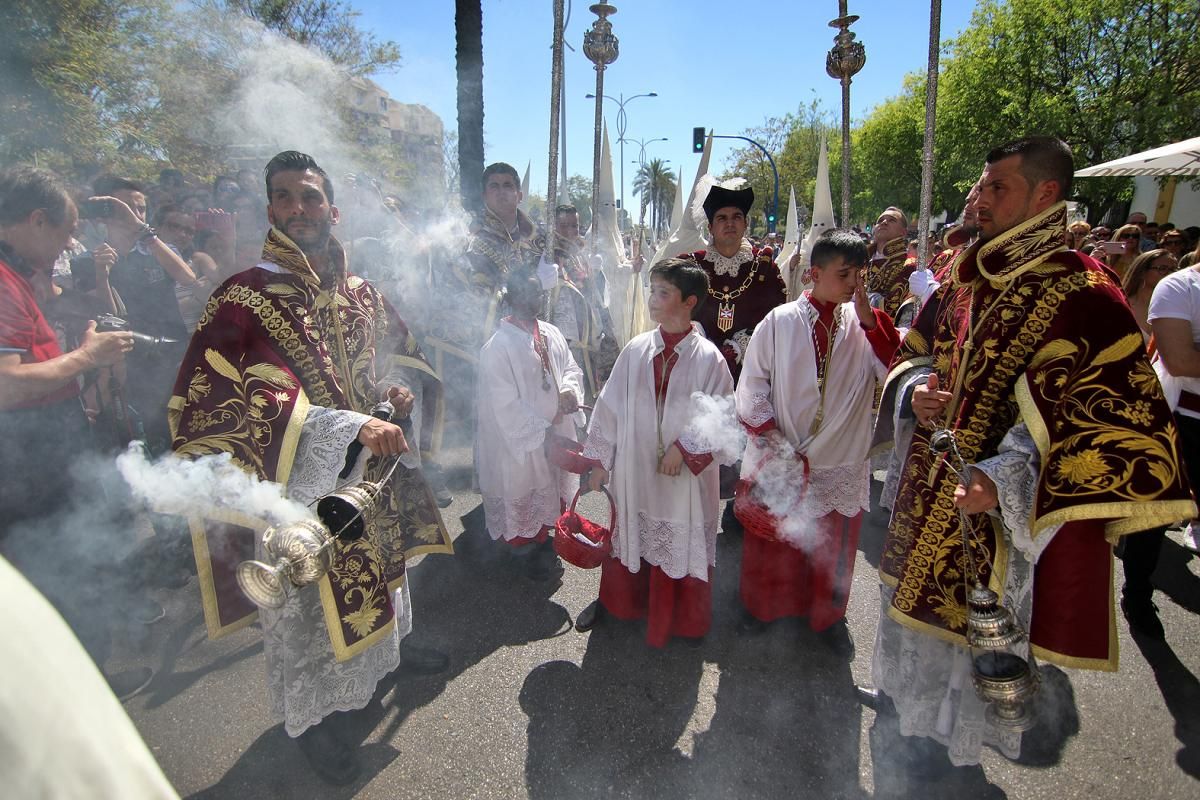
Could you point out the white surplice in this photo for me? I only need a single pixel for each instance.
(516, 404)
(779, 381)
(671, 522)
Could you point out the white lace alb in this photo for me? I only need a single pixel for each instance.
(305, 681)
(523, 517)
(678, 549)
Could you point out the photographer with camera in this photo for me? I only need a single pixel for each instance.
(145, 277)
(43, 426)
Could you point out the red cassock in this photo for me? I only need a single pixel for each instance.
(780, 579)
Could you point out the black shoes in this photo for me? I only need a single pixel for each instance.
(730, 524)
(869, 696)
(423, 660)
(838, 639)
(330, 758)
(588, 618)
(1142, 616)
(127, 683)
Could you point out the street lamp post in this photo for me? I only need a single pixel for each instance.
(843, 62)
(622, 119)
(601, 47)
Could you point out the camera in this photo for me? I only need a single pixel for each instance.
(96, 209)
(108, 323)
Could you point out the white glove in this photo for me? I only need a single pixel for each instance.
(918, 282)
(547, 273)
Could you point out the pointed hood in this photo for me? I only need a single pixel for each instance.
(687, 235)
(791, 236)
(524, 204)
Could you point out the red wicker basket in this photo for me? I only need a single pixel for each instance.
(581, 542)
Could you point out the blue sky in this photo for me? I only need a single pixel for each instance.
(723, 64)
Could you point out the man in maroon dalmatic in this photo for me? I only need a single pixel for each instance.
(744, 284)
(744, 281)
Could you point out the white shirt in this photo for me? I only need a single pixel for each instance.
(1177, 296)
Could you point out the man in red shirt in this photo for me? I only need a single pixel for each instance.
(42, 420)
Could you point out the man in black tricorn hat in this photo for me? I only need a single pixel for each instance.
(744, 282)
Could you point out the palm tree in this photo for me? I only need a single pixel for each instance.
(468, 52)
(656, 185)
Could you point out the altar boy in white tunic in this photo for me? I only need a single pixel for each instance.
(645, 440)
(805, 396)
(528, 392)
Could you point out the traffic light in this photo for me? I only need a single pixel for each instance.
(770, 217)
(697, 140)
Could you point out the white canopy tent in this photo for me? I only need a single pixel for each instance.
(1181, 158)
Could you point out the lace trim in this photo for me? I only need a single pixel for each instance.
(305, 681)
(321, 452)
(678, 549)
(929, 681)
(523, 517)
(845, 489)
(598, 447)
(730, 266)
(761, 411)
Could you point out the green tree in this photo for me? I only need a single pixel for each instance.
(330, 26)
(656, 186)
(579, 194)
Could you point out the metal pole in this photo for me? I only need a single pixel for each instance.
(931, 81)
(599, 122)
(845, 220)
(621, 120)
(556, 67)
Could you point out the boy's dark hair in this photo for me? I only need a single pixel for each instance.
(687, 276)
(295, 161)
(1043, 158)
(566, 209)
(502, 169)
(839, 242)
(108, 184)
(25, 189)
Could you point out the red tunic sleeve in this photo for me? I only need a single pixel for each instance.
(884, 339)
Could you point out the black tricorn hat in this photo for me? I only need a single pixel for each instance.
(719, 197)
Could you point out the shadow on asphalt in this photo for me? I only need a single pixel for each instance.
(1181, 693)
(761, 716)
(1173, 577)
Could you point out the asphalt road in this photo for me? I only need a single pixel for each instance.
(531, 709)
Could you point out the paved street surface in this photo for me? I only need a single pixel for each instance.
(531, 709)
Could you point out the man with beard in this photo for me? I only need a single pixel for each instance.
(887, 277)
(281, 373)
(1031, 360)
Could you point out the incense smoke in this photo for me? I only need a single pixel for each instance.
(175, 485)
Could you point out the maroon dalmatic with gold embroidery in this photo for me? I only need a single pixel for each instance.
(1026, 331)
(274, 341)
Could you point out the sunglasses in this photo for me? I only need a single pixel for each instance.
(1163, 268)
(1130, 236)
